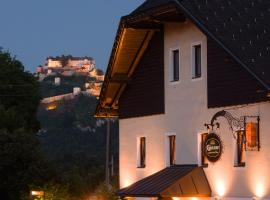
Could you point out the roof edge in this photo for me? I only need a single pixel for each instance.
(207, 32)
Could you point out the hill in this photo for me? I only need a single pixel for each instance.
(73, 140)
(48, 87)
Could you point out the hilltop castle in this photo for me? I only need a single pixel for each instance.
(85, 64)
(68, 66)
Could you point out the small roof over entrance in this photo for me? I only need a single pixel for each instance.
(174, 181)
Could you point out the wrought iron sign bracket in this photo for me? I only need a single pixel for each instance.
(235, 124)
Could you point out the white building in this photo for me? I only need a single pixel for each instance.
(83, 64)
(76, 91)
(190, 83)
(57, 80)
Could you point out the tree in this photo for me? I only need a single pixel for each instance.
(75, 142)
(21, 164)
(19, 96)
(21, 160)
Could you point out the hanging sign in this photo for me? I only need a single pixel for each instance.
(212, 147)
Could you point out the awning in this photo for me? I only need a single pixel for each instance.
(174, 181)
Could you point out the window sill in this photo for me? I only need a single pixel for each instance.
(174, 82)
(204, 166)
(140, 167)
(240, 165)
(196, 79)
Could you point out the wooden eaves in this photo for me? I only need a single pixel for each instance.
(132, 39)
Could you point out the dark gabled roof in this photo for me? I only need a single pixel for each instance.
(177, 181)
(241, 27)
(148, 5)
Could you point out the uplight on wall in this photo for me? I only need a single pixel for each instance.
(220, 189)
(255, 198)
(126, 183)
(217, 198)
(259, 191)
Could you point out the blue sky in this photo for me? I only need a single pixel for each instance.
(35, 29)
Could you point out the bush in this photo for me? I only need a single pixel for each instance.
(106, 192)
(52, 191)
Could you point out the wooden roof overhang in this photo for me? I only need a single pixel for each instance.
(174, 181)
(133, 36)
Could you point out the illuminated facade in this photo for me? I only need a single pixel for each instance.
(191, 78)
(80, 63)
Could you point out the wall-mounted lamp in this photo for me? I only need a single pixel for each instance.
(255, 198)
(217, 198)
(212, 126)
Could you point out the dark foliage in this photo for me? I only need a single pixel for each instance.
(21, 161)
(48, 89)
(74, 141)
(19, 96)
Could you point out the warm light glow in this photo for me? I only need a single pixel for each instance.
(185, 198)
(37, 193)
(258, 178)
(51, 107)
(260, 190)
(220, 188)
(217, 198)
(126, 183)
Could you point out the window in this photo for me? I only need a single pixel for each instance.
(240, 149)
(172, 149)
(175, 65)
(204, 161)
(196, 61)
(141, 152)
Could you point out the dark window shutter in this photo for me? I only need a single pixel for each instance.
(142, 151)
(240, 148)
(172, 150)
(204, 162)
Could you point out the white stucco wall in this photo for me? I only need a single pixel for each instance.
(54, 63)
(186, 113)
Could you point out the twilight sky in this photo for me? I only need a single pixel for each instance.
(35, 29)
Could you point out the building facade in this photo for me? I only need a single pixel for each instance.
(192, 100)
(84, 64)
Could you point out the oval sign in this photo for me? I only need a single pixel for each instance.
(212, 147)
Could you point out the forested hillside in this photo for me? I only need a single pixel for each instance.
(48, 88)
(74, 142)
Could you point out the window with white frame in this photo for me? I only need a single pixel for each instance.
(141, 152)
(175, 65)
(196, 61)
